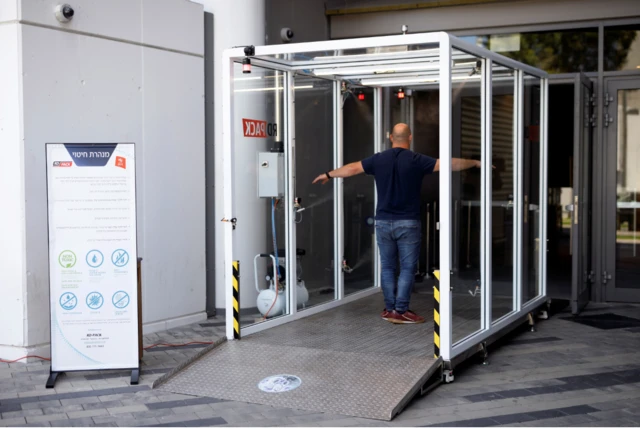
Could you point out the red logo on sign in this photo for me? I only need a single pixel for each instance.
(62, 163)
(253, 128)
(121, 162)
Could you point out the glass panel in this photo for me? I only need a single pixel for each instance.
(628, 190)
(359, 193)
(259, 193)
(314, 224)
(531, 218)
(503, 195)
(420, 109)
(466, 210)
(622, 48)
(566, 51)
(586, 174)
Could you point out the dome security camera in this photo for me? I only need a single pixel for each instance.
(64, 12)
(286, 34)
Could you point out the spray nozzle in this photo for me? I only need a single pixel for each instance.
(346, 268)
(297, 205)
(476, 69)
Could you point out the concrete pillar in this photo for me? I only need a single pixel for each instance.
(13, 271)
(236, 23)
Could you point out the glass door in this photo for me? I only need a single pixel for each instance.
(580, 206)
(260, 187)
(622, 190)
(313, 213)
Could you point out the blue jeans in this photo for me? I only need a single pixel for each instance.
(398, 241)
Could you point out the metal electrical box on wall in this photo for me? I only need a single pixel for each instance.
(270, 175)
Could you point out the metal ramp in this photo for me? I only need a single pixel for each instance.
(350, 361)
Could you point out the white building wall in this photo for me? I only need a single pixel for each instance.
(174, 265)
(8, 10)
(13, 270)
(120, 71)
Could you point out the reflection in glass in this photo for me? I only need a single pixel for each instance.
(315, 224)
(622, 48)
(502, 193)
(466, 191)
(566, 51)
(628, 190)
(531, 228)
(258, 97)
(359, 194)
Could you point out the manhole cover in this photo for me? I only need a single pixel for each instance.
(279, 383)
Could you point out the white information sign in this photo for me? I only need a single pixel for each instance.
(92, 256)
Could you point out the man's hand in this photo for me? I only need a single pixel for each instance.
(323, 179)
(478, 164)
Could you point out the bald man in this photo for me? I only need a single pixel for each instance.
(398, 174)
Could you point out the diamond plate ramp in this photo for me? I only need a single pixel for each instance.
(354, 384)
(350, 362)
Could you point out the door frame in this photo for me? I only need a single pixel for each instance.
(610, 145)
(580, 297)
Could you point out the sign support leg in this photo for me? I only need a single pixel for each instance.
(135, 376)
(53, 377)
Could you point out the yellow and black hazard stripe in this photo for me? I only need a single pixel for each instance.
(436, 315)
(236, 300)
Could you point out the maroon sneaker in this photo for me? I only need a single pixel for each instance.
(385, 314)
(393, 317)
(406, 317)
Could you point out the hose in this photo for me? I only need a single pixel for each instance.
(275, 250)
(273, 233)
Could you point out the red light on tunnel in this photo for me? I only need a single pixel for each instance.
(246, 65)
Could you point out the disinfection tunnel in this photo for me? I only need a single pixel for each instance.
(301, 261)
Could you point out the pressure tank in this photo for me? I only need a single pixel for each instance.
(267, 296)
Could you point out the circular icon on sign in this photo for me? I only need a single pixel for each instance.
(67, 259)
(95, 300)
(120, 299)
(120, 258)
(95, 258)
(279, 383)
(68, 301)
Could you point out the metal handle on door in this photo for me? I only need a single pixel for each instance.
(576, 207)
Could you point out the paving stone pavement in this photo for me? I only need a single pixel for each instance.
(565, 374)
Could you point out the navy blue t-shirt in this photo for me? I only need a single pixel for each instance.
(398, 173)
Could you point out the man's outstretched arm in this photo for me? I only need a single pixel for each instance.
(348, 170)
(459, 164)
